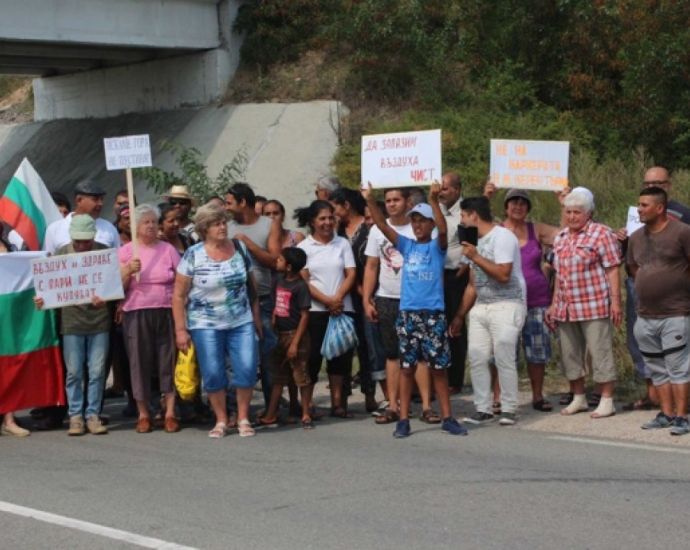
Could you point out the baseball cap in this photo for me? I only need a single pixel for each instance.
(423, 209)
(517, 194)
(88, 188)
(82, 227)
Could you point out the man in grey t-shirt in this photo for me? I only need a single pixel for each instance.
(496, 294)
(261, 236)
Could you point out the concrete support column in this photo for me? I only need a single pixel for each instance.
(174, 82)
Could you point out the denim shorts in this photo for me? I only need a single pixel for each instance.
(536, 338)
(239, 343)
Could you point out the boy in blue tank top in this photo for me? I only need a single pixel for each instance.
(421, 324)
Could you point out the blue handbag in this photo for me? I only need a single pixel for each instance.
(340, 336)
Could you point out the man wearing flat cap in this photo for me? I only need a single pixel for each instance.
(88, 199)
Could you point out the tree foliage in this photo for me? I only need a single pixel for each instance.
(193, 173)
(621, 67)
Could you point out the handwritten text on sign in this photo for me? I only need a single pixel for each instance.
(74, 279)
(529, 164)
(402, 159)
(127, 152)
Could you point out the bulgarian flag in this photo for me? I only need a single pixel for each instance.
(30, 361)
(27, 206)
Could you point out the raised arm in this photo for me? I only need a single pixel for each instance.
(439, 218)
(377, 216)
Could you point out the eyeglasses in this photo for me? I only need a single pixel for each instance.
(176, 202)
(655, 183)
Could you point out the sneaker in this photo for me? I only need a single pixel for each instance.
(660, 421)
(453, 427)
(402, 429)
(507, 419)
(76, 426)
(95, 425)
(479, 418)
(680, 426)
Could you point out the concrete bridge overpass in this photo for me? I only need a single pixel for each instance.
(97, 58)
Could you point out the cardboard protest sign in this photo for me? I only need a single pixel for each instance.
(633, 223)
(127, 152)
(539, 165)
(401, 160)
(74, 279)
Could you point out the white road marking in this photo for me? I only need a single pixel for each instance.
(93, 528)
(621, 445)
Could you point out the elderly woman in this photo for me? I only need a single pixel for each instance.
(215, 307)
(586, 301)
(330, 273)
(148, 280)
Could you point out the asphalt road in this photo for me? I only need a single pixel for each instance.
(347, 484)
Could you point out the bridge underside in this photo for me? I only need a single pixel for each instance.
(47, 59)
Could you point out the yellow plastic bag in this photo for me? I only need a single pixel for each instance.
(187, 373)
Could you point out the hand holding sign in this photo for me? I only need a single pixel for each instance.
(128, 152)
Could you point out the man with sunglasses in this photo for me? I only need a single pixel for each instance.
(180, 198)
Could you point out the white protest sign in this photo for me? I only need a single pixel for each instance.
(74, 279)
(127, 152)
(401, 160)
(633, 223)
(539, 165)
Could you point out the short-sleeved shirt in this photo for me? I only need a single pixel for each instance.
(422, 275)
(580, 261)
(661, 283)
(291, 299)
(218, 297)
(85, 318)
(390, 259)
(454, 256)
(258, 232)
(57, 234)
(156, 279)
(678, 211)
(326, 263)
(499, 246)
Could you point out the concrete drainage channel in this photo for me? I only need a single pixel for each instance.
(288, 146)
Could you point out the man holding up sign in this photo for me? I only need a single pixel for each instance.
(85, 329)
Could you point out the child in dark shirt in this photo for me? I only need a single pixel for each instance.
(290, 318)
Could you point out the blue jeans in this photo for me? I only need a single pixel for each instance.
(268, 343)
(630, 318)
(212, 346)
(377, 354)
(92, 349)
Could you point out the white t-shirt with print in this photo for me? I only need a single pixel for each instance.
(500, 246)
(390, 259)
(326, 264)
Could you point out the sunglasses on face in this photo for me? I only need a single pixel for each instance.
(178, 202)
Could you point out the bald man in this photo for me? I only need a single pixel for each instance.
(658, 176)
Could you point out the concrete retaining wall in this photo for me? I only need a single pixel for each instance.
(288, 146)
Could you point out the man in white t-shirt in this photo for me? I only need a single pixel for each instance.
(382, 273)
(88, 199)
(496, 295)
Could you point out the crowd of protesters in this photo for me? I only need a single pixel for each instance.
(423, 282)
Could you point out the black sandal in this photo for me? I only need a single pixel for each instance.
(542, 405)
(388, 417)
(593, 401)
(340, 412)
(430, 417)
(566, 398)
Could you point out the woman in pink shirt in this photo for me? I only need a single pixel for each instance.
(148, 324)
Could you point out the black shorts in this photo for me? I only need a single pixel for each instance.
(388, 309)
